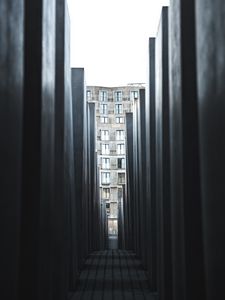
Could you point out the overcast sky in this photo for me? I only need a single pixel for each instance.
(109, 38)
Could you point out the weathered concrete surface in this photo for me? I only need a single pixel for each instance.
(163, 161)
(188, 262)
(38, 150)
(11, 114)
(210, 29)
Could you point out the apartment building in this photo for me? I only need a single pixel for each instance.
(112, 103)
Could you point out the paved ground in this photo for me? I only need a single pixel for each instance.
(112, 275)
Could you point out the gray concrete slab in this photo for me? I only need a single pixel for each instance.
(142, 176)
(113, 242)
(136, 185)
(11, 116)
(151, 237)
(129, 205)
(64, 168)
(38, 150)
(93, 221)
(163, 160)
(210, 29)
(188, 261)
(79, 136)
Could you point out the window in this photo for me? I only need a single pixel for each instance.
(119, 120)
(105, 177)
(107, 208)
(120, 149)
(88, 95)
(105, 193)
(112, 227)
(121, 178)
(113, 210)
(105, 163)
(120, 135)
(118, 96)
(105, 148)
(121, 163)
(103, 96)
(104, 120)
(103, 108)
(134, 95)
(118, 109)
(104, 135)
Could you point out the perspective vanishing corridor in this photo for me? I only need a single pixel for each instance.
(120, 197)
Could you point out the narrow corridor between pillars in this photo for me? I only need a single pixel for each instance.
(112, 274)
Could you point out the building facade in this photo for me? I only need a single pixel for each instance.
(112, 104)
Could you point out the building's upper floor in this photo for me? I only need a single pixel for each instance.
(113, 94)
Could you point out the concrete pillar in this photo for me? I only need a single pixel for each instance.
(79, 116)
(136, 186)
(188, 264)
(91, 175)
(11, 114)
(103, 232)
(130, 182)
(141, 175)
(96, 200)
(151, 237)
(210, 29)
(64, 169)
(163, 161)
(121, 220)
(38, 151)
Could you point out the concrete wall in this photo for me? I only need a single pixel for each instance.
(151, 237)
(188, 261)
(11, 119)
(210, 37)
(38, 150)
(163, 160)
(39, 229)
(64, 169)
(79, 114)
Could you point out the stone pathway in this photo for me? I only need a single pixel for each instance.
(112, 275)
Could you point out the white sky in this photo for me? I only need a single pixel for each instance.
(109, 38)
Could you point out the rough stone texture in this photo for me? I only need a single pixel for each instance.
(210, 28)
(188, 265)
(64, 169)
(151, 172)
(163, 161)
(38, 150)
(11, 114)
